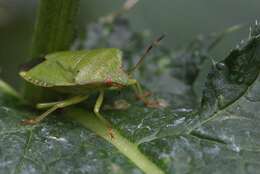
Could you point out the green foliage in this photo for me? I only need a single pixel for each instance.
(54, 147)
(217, 135)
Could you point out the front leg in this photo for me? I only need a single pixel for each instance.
(96, 111)
(52, 107)
(98, 106)
(144, 96)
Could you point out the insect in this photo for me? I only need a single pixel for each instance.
(81, 73)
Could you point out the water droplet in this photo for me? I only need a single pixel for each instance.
(60, 139)
(240, 80)
(179, 121)
(235, 147)
(183, 110)
(220, 66)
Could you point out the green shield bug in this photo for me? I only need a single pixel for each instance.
(80, 73)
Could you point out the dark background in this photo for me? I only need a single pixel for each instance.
(182, 20)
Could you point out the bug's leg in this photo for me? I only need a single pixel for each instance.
(144, 96)
(55, 106)
(96, 111)
(140, 94)
(98, 106)
(47, 105)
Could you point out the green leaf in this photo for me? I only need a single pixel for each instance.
(55, 146)
(224, 136)
(221, 135)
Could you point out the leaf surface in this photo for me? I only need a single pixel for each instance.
(218, 135)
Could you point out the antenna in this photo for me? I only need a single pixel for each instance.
(147, 51)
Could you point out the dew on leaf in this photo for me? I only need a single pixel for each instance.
(220, 66)
(60, 139)
(240, 80)
(235, 147)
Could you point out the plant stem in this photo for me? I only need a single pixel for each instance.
(92, 122)
(54, 31)
(129, 149)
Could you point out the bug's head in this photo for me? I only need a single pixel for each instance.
(147, 51)
(30, 64)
